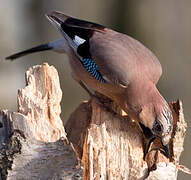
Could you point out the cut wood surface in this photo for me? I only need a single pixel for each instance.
(99, 142)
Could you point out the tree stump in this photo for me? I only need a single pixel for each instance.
(99, 143)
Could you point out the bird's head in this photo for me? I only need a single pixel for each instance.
(163, 125)
(157, 119)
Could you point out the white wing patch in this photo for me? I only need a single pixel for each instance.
(78, 40)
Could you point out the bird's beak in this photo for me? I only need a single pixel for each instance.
(166, 150)
(148, 144)
(165, 142)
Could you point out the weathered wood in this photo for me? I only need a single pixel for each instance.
(40, 101)
(109, 145)
(113, 145)
(33, 141)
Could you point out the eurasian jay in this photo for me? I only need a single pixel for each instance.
(116, 66)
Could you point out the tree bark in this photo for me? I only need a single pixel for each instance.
(101, 142)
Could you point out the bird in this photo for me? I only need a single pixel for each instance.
(117, 66)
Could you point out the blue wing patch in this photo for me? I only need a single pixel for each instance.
(93, 69)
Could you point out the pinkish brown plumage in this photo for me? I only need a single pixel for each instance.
(119, 67)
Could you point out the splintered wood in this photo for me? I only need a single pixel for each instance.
(100, 140)
(40, 101)
(33, 141)
(113, 146)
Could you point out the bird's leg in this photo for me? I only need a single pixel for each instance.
(86, 89)
(96, 98)
(90, 93)
(82, 84)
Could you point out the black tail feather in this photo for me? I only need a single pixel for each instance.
(42, 47)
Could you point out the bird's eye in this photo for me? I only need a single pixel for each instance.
(157, 126)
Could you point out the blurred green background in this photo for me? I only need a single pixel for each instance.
(163, 26)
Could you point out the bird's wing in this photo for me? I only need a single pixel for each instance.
(105, 53)
(122, 57)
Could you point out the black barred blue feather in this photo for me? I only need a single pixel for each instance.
(93, 69)
(79, 38)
